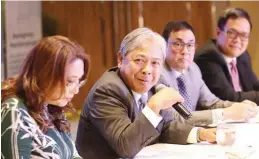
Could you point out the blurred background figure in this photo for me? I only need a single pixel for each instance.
(33, 123)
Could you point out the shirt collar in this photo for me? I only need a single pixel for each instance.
(177, 73)
(137, 96)
(229, 59)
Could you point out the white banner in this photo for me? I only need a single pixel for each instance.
(23, 30)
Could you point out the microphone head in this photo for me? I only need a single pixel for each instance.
(159, 87)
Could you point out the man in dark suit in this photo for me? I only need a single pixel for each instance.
(182, 74)
(117, 120)
(225, 63)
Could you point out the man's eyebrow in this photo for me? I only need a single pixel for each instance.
(141, 55)
(179, 39)
(232, 29)
(157, 58)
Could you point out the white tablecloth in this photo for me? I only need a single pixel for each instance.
(246, 146)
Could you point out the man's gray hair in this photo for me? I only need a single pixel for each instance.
(138, 38)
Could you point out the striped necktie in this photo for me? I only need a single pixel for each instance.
(142, 102)
(181, 82)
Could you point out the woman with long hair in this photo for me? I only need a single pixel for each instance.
(33, 103)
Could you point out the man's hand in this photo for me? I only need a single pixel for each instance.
(249, 102)
(163, 99)
(240, 111)
(208, 135)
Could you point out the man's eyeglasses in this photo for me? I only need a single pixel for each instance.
(140, 62)
(232, 34)
(73, 85)
(179, 46)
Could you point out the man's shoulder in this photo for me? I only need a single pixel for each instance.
(245, 57)
(209, 51)
(194, 67)
(208, 54)
(194, 71)
(110, 77)
(110, 82)
(166, 75)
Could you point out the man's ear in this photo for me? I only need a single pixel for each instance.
(119, 58)
(218, 30)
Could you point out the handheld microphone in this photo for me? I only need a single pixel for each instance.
(177, 106)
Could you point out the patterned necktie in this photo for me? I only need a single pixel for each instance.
(234, 76)
(181, 82)
(142, 102)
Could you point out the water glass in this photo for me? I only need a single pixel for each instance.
(225, 137)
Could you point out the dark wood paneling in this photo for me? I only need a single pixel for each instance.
(90, 24)
(157, 14)
(201, 21)
(100, 26)
(198, 14)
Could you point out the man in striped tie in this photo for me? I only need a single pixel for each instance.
(123, 113)
(182, 74)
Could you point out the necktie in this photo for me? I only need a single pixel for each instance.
(234, 76)
(142, 102)
(181, 82)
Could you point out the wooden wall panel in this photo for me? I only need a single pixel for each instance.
(157, 14)
(100, 26)
(198, 14)
(90, 24)
(201, 21)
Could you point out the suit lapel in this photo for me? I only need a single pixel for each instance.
(217, 54)
(170, 75)
(242, 74)
(134, 107)
(224, 66)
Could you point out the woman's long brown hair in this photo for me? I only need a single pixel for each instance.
(41, 71)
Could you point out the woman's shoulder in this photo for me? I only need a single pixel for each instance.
(14, 110)
(13, 103)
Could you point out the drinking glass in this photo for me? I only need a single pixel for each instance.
(225, 137)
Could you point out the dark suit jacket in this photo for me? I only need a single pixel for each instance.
(217, 77)
(111, 126)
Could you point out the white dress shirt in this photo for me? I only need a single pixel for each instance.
(155, 119)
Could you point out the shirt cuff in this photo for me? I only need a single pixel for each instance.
(192, 137)
(217, 116)
(151, 116)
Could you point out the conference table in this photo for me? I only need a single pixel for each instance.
(246, 146)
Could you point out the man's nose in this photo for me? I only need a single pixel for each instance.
(147, 68)
(185, 50)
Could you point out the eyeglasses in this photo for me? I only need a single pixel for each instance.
(73, 85)
(179, 46)
(140, 62)
(232, 34)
